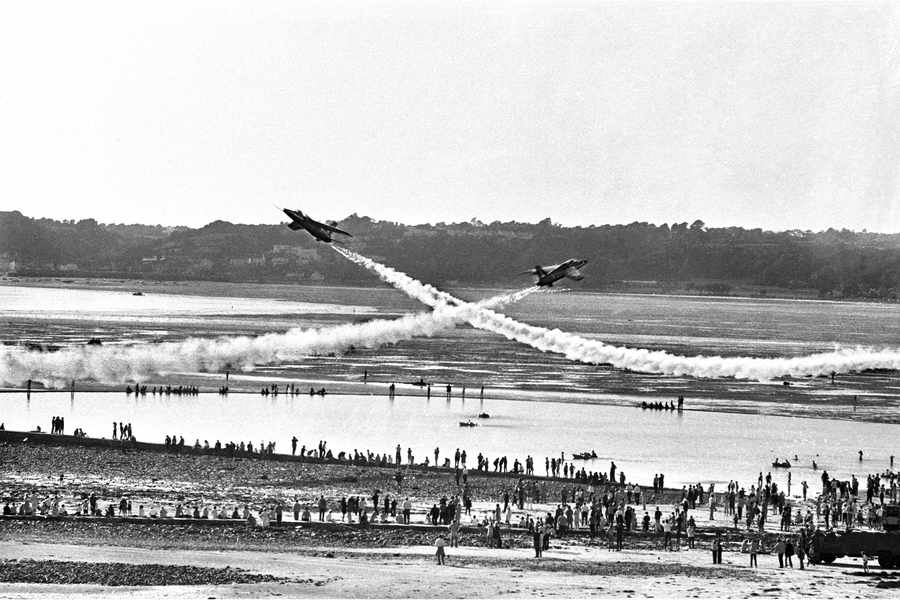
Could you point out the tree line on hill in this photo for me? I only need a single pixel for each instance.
(834, 263)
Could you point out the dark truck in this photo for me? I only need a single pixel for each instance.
(825, 547)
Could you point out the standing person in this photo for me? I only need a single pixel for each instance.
(294, 445)
(440, 543)
(789, 553)
(323, 505)
(667, 536)
(754, 550)
(454, 533)
(779, 550)
(538, 539)
(717, 549)
(691, 531)
(115, 430)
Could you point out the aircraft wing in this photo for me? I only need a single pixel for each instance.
(334, 229)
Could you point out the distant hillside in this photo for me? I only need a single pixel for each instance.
(682, 256)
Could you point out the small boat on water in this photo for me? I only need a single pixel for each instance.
(468, 424)
(584, 455)
(778, 464)
(137, 293)
(484, 416)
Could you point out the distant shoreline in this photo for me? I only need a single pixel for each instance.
(248, 289)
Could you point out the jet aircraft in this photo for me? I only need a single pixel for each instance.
(547, 276)
(321, 231)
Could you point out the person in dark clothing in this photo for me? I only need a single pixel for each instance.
(789, 553)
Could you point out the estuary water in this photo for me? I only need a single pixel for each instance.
(688, 447)
(694, 446)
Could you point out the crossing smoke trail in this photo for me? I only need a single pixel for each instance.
(120, 364)
(574, 347)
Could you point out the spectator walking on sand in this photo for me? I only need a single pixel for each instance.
(440, 543)
(717, 549)
(454, 533)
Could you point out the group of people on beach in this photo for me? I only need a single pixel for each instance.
(168, 390)
(57, 425)
(231, 449)
(122, 431)
(602, 505)
(289, 389)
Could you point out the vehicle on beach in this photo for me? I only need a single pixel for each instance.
(826, 547)
(137, 293)
(468, 424)
(484, 416)
(781, 464)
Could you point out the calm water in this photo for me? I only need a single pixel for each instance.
(694, 446)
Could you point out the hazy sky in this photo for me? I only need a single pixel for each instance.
(770, 115)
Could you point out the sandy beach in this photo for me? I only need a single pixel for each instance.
(312, 559)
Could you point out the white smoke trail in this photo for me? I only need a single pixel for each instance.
(574, 347)
(119, 364)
